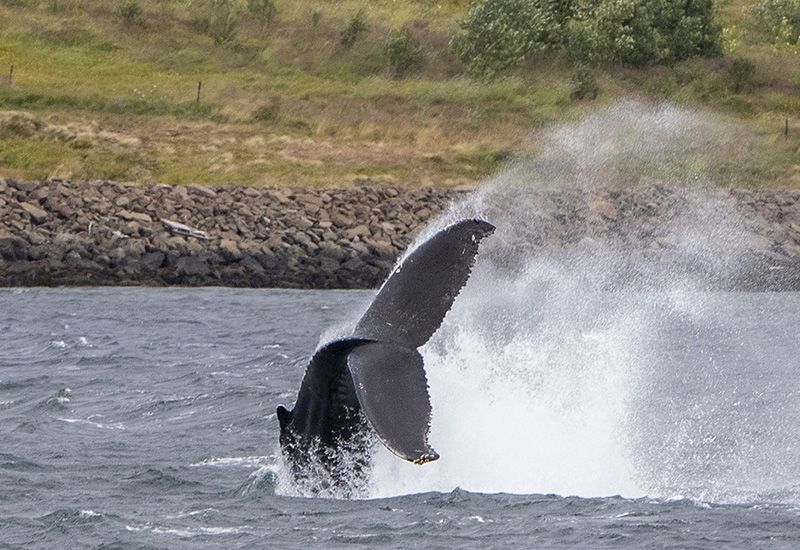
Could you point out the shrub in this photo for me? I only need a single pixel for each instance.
(354, 29)
(643, 32)
(263, 10)
(741, 75)
(498, 35)
(779, 20)
(403, 52)
(130, 11)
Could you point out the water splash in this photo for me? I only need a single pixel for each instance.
(554, 372)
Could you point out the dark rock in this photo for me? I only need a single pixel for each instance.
(14, 248)
(229, 250)
(192, 266)
(153, 260)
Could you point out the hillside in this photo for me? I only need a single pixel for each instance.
(109, 90)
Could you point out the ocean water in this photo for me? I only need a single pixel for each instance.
(144, 418)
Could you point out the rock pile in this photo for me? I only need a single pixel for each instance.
(102, 233)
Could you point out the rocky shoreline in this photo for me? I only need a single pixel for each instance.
(62, 233)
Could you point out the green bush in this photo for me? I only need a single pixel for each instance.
(403, 52)
(741, 75)
(643, 32)
(498, 35)
(354, 29)
(779, 20)
(130, 11)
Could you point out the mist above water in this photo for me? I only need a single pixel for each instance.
(585, 357)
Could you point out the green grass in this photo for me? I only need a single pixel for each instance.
(288, 104)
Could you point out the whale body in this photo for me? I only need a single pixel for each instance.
(373, 382)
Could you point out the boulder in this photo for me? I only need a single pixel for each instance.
(14, 248)
(140, 217)
(192, 266)
(153, 260)
(37, 214)
(229, 251)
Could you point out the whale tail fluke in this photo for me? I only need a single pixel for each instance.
(414, 300)
(391, 386)
(377, 374)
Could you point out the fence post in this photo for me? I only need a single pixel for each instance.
(199, 87)
(786, 128)
(11, 75)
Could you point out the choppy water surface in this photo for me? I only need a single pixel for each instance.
(143, 418)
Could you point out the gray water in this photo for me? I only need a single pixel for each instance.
(142, 418)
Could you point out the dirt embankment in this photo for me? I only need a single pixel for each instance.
(102, 233)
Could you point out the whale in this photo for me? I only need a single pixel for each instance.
(372, 384)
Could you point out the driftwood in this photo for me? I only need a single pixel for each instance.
(181, 229)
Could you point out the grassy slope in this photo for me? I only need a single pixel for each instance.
(287, 104)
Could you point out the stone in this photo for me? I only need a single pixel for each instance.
(192, 266)
(267, 259)
(229, 250)
(24, 186)
(202, 190)
(423, 213)
(37, 214)
(153, 260)
(329, 250)
(135, 216)
(118, 254)
(14, 248)
(72, 258)
(131, 229)
(358, 231)
(383, 249)
(340, 220)
(304, 240)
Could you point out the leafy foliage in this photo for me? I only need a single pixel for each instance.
(779, 20)
(403, 52)
(741, 75)
(643, 32)
(498, 35)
